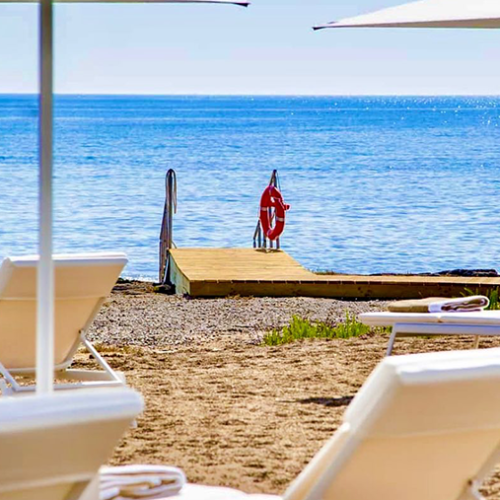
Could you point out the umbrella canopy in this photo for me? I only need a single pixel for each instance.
(234, 2)
(45, 281)
(428, 14)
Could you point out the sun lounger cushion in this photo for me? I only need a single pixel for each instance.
(81, 283)
(467, 318)
(51, 443)
(421, 427)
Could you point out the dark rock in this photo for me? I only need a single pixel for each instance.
(165, 289)
(464, 273)
(469, 273)
(133, 287)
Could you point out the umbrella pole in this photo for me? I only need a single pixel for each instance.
(45, 281)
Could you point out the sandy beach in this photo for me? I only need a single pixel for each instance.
(265, 157)
(219, 404)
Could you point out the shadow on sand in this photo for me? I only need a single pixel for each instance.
(336, 402)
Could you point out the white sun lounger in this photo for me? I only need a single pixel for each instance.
(423, 427)
(52, 446)
(82, 283)
(484, 323)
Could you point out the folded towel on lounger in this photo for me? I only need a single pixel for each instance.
(440, 304)
(140, 482)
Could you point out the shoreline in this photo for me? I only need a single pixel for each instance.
(465, 273)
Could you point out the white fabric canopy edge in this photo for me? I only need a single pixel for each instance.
(479, 14)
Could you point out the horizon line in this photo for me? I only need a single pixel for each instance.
(106, 94)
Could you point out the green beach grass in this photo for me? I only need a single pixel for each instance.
(302, 328)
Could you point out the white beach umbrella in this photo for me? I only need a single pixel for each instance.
(428, 14)
(45, 284)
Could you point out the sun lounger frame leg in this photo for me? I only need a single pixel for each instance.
(440, 329)
(476, 342)
(392, 339)
(472, 492)
(81, 488)
(107, 377)
(112, 374)
(8, 384)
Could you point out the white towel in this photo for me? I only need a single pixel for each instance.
(140, 482)
(462, 304)
(440, 304)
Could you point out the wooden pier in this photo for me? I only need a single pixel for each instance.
(206, 272)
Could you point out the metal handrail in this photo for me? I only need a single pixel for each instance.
(259, 238)
(166, 234)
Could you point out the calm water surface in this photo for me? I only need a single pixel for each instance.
(375, 184)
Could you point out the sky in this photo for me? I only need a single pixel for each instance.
(268, 48)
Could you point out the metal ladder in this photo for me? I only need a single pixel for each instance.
(166, 234)
(259, 238)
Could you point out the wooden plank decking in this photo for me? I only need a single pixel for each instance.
(211, 272)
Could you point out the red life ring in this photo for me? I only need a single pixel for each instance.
(272, 198)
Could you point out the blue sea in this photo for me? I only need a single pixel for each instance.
(376, 184)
